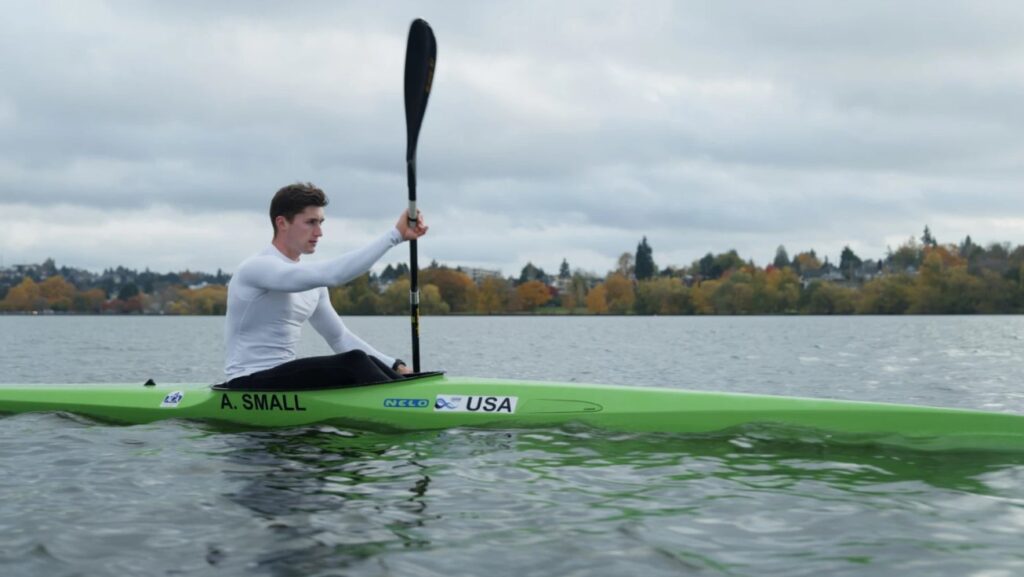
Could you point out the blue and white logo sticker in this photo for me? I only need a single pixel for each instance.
(475, 404)
(447, 403)
(172, 399)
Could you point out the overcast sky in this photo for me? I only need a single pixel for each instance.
(153, 134)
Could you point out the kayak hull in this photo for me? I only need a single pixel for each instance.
(440, 402)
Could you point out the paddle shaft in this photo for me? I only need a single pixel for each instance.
(414, 289)
(420, 56)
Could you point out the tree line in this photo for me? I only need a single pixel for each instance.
(56, 294)
(918, 277)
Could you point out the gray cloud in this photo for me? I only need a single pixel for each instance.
(706, 127)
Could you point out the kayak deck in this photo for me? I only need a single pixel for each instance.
(435, 402)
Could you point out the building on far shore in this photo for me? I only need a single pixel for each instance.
(828, 273)
(479, 274)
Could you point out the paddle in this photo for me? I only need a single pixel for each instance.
(420, 56)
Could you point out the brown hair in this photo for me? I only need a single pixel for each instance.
(293, 199)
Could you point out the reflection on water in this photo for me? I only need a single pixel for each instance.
(416, 503)
(84, 498)
(331, 498)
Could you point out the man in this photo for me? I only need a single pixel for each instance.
(272, 294)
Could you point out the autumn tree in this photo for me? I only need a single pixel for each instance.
(356, 298)
(619, 294)
(700, 295)
(576, 293)
(456, 288)
(24, 296)
(136, 304)
(395, 299)
(806, 261)
(943, 285)
(825, 298)
(208, 300)
(431, 302)
(340, 299)
(597, 304)
(907, 256)
(663, 296)
(532, 294)
(735, 295)
(886, 295)
(492, 296)
(57, 292)
(998, 293)
(995, 257)
(776, 291)
(90, 301)
(365, 300)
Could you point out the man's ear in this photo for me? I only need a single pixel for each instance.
(281, 223)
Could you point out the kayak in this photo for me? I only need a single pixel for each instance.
(434, 401)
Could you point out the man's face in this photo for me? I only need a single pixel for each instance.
(302, 233)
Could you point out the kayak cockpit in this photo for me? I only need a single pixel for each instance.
(285, 387)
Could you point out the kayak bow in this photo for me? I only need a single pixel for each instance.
(433, 401)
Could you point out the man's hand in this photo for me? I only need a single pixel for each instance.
(408, 232)
(403, 370)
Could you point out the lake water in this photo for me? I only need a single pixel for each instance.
(175, 498)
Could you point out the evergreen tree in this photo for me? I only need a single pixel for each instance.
(968, 249)
(706, 266)
(531, 272)
(848, 261)
(49, 267)
(644, 267)
(391, 273)
(712, 267)
(563, 271)
(781, 257)
(927, 239)
(127, 291)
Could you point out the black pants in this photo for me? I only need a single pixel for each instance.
(344, 369)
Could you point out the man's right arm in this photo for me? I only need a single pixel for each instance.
(268, 272)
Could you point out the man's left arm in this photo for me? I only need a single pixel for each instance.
(330, 326)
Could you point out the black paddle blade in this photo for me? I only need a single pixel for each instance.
(420, 56)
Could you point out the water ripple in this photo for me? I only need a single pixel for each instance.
(173, 498)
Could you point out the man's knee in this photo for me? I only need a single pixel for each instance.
(354, 355)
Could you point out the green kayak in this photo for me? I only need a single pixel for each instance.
(434, 401)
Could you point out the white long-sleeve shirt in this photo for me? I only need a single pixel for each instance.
(271, 296)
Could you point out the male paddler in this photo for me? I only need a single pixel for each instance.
(272, 294)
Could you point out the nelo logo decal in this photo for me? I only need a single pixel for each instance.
(475, 404)
(406, 403)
